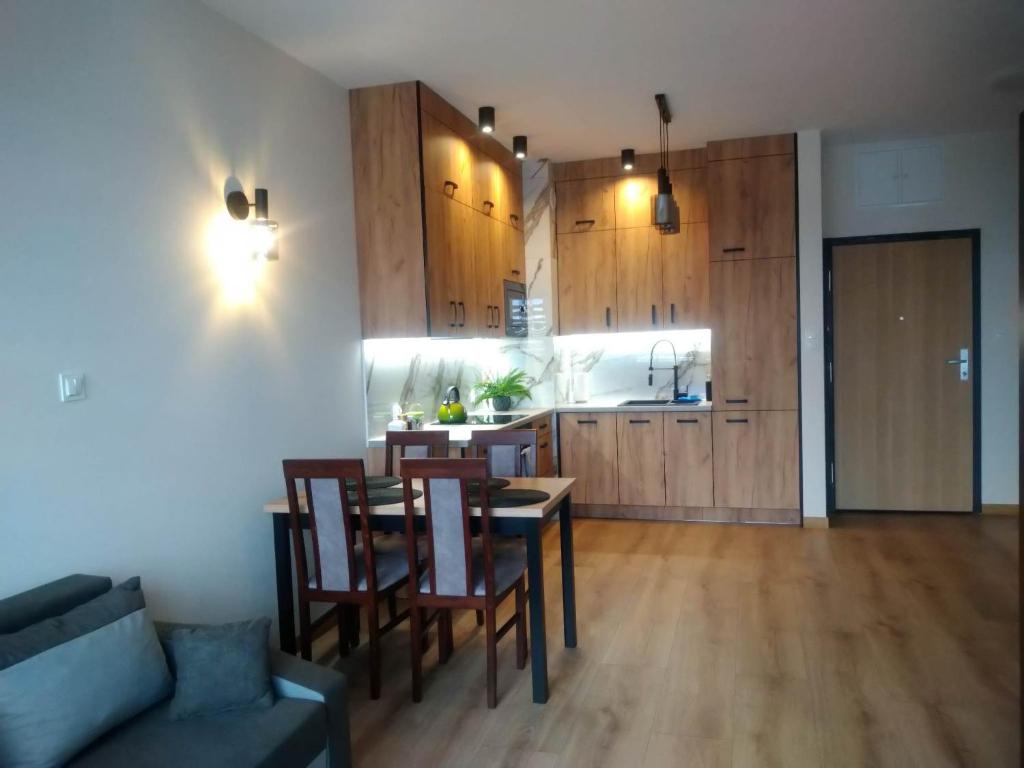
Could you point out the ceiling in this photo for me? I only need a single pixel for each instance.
(579, 77)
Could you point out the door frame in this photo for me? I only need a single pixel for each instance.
(974, 235)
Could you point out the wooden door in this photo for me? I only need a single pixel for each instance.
(586, 282)
(689, 188)
(584, 206)
(752, 208)
(689, 474)
(754, 334)
(451, 268)
(757, 459)
(587, 447)
(903, 415)
(641, 450)
(633, 200)
(638, 277)
(447, 161)
(685, 274)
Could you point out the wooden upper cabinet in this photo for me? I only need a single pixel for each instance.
(586, 282)
(689, 188)
(490, 187)
(452, 284)
(752, 208)
(689, 475)
(514, 184)
(514, 263)
(447, 161)
(490, 254)
(754, 334)
(638, 274)
(757, 459)
(585, 206)
(641, 458)
(633, 200)
(588, 452)
(686, 293)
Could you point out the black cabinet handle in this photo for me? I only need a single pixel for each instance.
(489, 204)
(514, 217)
(734, 249)
(654, 315)
(738, 401)
(608, 316)
(515, 272)
(591, 222)
(452, 184)
(462, 306)
(686, 421)
(639, 421)
(455, 314)
(497, 317)
(586, 421)
(672, 313)
(490, 316)
(543, 445)
(736, 421)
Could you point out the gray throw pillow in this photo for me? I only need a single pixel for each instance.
(69, 679)
(221, 668)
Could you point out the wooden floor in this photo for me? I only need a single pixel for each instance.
(887, 640)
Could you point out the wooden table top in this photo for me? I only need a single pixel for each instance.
(556, 487)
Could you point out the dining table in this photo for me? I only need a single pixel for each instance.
(528, 521)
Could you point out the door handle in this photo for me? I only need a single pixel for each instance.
(608, 316)
(963, 362)
(590, 222)
(497, 316)
(654, 314)
(455, 314)
(736, 421)
(586, 421)
(514, 217)
(672, 313)
(686, 421)
(734, 249)
(738, 401)
(462, 306)
(452, 184)
(639, 421)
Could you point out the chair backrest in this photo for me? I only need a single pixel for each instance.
(510, 452)
(329, 514)
(445, 501)
(414, 444)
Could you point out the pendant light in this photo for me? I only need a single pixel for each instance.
(664, 210)
(628, 159)
(519, 147)
(486, 119)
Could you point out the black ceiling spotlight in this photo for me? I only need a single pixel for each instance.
(519, 147)
(486, 119)
(628, 158)
(664, 210)
(263, 231)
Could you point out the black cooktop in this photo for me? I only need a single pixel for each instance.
(488, 418)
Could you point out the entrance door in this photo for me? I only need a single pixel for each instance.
(904, 369)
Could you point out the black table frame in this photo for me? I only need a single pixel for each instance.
(529, 527)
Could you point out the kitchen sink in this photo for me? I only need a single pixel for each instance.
(645, 402)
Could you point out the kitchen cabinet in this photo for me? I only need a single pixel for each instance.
(685, 280)
(633, 200)
(545, 447)
(641, 458)
(752, 208)
(586, 205)
(586, 282)
(424, 178)
(638, 274)
(588, 452)
(756, 459)
(754, 334)
(689, 188)
(689, 472)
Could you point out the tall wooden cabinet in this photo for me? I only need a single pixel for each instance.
(439, 216)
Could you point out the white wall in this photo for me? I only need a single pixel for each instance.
(120, 123)
(980, 191)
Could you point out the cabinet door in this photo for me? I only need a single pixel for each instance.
(447, 161)
(638, 277)
(633, 200)
(752, 208)
(490, 187)
(514, 185)
(514, 263)
(689, 188)
(689, 475)
(586, 282)
(451, 268)
(545, 448)
(584, 206)
(685, 271)
(490, 258)
(587, 448)
(757, 460)
(641, 448)
(754, 334)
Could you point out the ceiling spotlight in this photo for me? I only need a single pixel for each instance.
(628, 158)
(263, 231)
(519, 147)
(486, 120)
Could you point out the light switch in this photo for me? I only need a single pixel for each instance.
(72, 386)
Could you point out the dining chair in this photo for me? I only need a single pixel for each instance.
(509, 452)
(414, 444)
(462, 571)
(350, 567)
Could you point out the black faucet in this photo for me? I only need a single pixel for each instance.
(675, 368)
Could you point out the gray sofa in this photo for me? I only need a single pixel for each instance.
(307, 723)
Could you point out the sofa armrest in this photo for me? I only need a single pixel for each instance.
(295, 678)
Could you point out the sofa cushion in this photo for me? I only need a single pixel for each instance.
(53, 599)
(68, 679)
(221, 668)
(290, 733)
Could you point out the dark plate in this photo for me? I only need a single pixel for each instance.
(511, 497)
(376, 481)
(381, 497)
(494, 483)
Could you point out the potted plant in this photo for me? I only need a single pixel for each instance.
(501, 389)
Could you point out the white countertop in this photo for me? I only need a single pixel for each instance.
(602, 405)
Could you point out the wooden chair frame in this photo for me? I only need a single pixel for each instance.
(435, 441)
(481, 440)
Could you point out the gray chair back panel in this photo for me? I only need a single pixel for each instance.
(449, 538)
(331, 537)
(510, 461)
(417, 452)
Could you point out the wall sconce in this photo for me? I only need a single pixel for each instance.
(263, 231)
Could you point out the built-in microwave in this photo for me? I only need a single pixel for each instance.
(517, 315)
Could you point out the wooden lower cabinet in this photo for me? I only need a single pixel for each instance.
(689, 475)
(587, 451)
(545, 446)
(641, 458)
(757, 459)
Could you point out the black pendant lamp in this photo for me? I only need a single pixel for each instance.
(486, 119)
(664, 211)
(519, 147)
